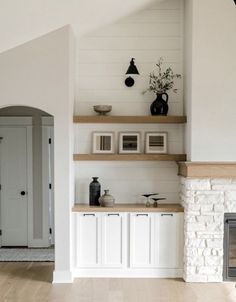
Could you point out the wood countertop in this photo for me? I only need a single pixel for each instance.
(173, 207)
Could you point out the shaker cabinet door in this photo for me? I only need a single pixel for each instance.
(141, 240)
(113, 235)
(87, 241)
(169, 240)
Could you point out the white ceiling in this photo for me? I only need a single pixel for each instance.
(24, 20)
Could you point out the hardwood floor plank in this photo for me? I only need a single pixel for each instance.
(31, 282)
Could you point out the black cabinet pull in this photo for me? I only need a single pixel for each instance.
(233, 221)
(89, 214)
(141, 214)
(115, 214)
(167, 215)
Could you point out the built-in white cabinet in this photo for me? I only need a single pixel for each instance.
(101, 240)
(130, 242)
(141, 240)
(168, 240)
(88, 240)
(113, 235)
(156, 240)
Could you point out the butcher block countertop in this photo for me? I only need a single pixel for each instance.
(174, 207)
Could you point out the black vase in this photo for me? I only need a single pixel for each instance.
(160, 106)
(94, 192)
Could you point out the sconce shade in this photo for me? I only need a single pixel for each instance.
(132, 68)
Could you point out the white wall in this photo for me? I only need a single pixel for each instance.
(40, 74)
(102, 61)
(212, 99)
(188, 9)
(22, 21)
(103, 58)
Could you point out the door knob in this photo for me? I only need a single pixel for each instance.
(23, 193)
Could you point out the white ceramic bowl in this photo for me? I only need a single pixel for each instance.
(102, 109)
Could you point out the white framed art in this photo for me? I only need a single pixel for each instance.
(156, 142)
(103, 143)
(129, 142)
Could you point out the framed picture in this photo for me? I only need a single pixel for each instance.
(129, 142)
(103, 142)
(156, 142)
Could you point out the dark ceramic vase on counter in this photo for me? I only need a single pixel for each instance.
(94, 192)
(160, 105)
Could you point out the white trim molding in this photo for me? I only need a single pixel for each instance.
(30, 185)
(62, 277)
(15, 121)
(127, 273)
(47, 121)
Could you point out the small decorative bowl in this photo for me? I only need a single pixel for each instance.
(102, 109)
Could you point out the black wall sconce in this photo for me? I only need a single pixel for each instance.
(129, 81)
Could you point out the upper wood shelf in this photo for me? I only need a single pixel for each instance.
(115, 119)
(130, 157)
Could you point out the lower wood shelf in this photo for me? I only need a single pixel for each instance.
(146, 119)
(130, 157)
(129, 207)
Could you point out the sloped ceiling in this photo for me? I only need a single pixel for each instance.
(24, 20)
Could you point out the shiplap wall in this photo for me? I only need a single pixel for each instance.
(102, 60)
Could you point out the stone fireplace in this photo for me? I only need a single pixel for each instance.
(229, 272)
(208, 191)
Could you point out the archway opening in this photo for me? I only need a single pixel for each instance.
(27, 184)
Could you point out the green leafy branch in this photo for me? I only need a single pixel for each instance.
(161, 81)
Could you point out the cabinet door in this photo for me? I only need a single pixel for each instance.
(141, 240)
(87, 243)
(113, 239)
(169, 240)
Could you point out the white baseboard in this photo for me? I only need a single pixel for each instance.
(127, 273)
(62, 277)
(38, 243)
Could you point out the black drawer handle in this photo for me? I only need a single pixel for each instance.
(115, 214)
(89, 214)
(141, 214)
(230, 220)
(167, 215)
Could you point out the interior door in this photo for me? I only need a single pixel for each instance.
(13, 173)
(48, 184)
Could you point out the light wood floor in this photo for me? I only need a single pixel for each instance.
(31, 282)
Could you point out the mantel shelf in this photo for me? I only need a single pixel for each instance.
(115, 119)
(130, 157)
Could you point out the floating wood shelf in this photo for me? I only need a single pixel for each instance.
(115, 119)
(130, 157)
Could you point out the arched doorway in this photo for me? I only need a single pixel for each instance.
(27, 182)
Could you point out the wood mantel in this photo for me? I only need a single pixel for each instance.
(207, 169)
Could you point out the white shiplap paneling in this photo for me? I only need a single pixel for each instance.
(102, 60)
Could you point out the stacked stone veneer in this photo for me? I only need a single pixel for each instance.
(205, 201)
